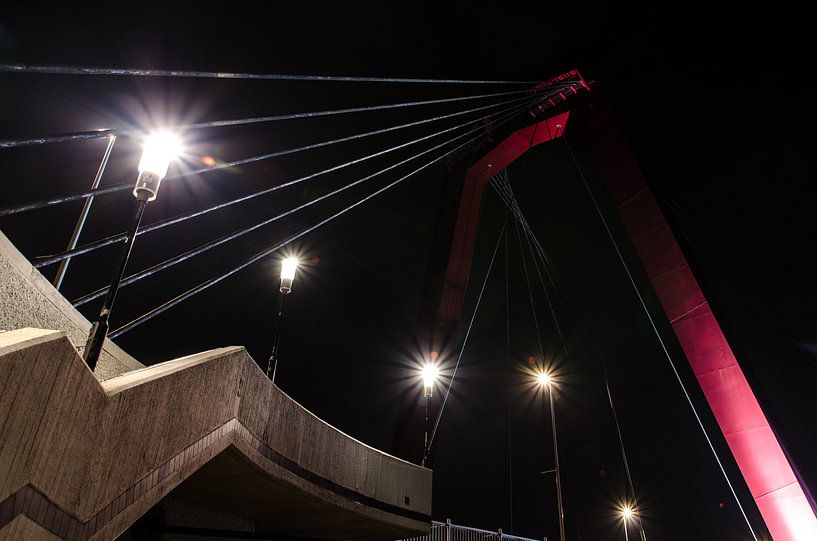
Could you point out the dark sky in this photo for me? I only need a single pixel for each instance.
(716, 106)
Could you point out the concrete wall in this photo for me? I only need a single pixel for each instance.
(27, 299)
(83, 459)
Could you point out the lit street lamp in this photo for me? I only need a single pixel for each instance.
(545, 380)
(626, 515)
(288, 268)
(429, 373)
(158, 151)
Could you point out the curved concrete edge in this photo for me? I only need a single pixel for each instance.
(85, 459)
(27, 299)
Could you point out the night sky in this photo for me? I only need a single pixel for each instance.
(717, 108)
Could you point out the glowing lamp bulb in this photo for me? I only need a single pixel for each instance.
(544, 379)
(626, 512)
(158, 151)
(288, 268)
(429, 373)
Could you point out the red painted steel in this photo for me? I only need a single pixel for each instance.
(768, 474)
(465, 230)
(770, 477)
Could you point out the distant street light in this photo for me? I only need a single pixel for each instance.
(627, 514)
(545, 380)
(158, 151)
(288, 268)
(429, 372)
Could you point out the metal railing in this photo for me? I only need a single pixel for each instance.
(446, 531)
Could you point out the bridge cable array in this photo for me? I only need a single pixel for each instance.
(124, 186)
(51, 259)
(138, 132)
(503, 187)
(217, 242)
(205, 285)
(512, 107)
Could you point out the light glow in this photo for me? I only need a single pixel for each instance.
(544, 379)
(288, 268)
(626, 512)
(430, 372)
(158, 151)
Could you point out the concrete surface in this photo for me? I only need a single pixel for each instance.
(83, 459)
(27, 299)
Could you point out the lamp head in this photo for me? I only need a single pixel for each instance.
(288, 268)
(158, 150)
(430, 374)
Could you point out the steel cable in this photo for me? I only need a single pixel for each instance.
(34, 205)
(131, 72)
(129, 132)
(654, 327)
(182, 217)
(212, 244)
(209, 283)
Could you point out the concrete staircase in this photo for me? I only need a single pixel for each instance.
(82, 458)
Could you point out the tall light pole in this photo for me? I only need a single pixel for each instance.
(288, 268)
(429, 373)
(627, 514)
(545, 381)
(158, 151)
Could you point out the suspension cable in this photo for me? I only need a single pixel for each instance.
(127, 185)
(508, 380)
(618, 427)
(530, 295)
(212, 244)
(654, 327)
(530, 237)
(208, 283)
(467, 334)
(503, 175)
(129, 132)
(510, 199)
(182, 217)
(130, 72)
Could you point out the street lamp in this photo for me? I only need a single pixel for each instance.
(545, 380)
(429, 372)
(158, 151)
(288, 268)
(627, 514)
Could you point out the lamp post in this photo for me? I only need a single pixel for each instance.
(288, 268)
(626, 515)
(158, 151)
(545, 381)
(429, 373)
